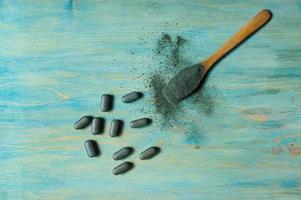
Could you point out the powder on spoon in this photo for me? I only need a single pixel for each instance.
(184, 83)
(171, 55)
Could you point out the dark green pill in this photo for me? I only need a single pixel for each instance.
(123, 168)
(123, 153)
(140, 122)
(91, 148)
(115, 128)
(149, 153)
(130, 97)
(83, 122)
(97, 125)
(106, 102)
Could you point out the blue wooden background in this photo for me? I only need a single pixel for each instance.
(57, 57)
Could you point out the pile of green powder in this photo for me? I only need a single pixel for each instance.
(170, 58)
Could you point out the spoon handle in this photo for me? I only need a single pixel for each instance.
(245, 31)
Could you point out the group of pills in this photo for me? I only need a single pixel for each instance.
(97, 127)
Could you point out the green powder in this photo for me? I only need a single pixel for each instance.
(170, 57)
(170, 54)
(184, 83)
(166, 109)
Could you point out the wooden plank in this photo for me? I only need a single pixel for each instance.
(58, 57)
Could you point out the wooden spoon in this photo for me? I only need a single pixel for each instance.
(188, 80)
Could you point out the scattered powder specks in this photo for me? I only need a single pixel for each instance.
(170, 55)
(168, 59)
(163, 107)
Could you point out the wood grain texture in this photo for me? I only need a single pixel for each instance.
(58, 57)
(253, 25)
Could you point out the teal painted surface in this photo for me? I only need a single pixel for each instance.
(58, 57)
